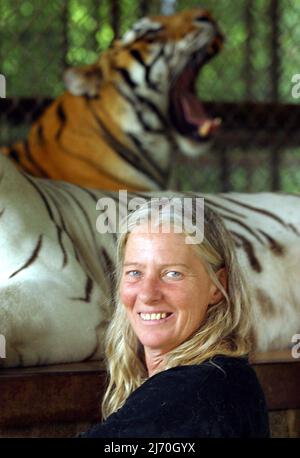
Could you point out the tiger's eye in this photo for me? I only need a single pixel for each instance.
(202, 19)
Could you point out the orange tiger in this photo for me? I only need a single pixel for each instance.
(122, 119)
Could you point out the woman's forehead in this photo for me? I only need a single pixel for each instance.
(156, 234)
(162, 247)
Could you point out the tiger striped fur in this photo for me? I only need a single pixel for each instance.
(55, 284)
(123, 119)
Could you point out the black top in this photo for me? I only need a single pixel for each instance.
(218, 398)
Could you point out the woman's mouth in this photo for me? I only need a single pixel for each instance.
(158, 317)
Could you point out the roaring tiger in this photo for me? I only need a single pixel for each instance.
(55, 283)
(122, 119)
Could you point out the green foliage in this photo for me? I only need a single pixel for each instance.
(39, 39)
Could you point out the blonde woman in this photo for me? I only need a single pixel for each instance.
(177, 345)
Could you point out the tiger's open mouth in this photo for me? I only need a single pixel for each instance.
(186, 111)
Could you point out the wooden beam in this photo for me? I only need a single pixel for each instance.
(73, 392)
(245, 125)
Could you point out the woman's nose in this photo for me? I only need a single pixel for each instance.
(150, 290)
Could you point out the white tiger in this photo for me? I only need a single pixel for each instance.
(55, 286)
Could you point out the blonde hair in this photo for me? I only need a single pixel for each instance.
(225, 330)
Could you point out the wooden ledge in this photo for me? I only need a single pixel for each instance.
(54, 369)
(269, 357)
(58, 393)
(244, 124)
(73, 392)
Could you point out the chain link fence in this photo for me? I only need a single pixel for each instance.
(250, 84)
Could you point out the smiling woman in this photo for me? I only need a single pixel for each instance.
(166, 292)
(177, 344)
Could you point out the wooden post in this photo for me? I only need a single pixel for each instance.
(274, 13)
(115, 17)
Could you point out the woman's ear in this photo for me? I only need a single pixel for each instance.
(216, 294)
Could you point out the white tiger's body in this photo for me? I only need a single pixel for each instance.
(54, 283)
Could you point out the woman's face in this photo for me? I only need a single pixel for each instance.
(165, 289)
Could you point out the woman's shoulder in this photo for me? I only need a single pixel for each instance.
(218, 378)
(221, 395)
(219, 366)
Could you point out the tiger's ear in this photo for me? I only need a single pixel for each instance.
(143, 27)
(84, 80)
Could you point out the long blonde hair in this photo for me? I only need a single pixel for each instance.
(225, 330)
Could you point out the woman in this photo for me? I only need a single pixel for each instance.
(177, 344)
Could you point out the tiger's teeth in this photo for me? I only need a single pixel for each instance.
(205, 128)
(153, 316)
(209, 124)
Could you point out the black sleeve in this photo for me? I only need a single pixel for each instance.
(186, 401)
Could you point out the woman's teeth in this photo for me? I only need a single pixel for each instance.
(153, 316)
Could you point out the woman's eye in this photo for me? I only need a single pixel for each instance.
(133, 273)
(173, 274)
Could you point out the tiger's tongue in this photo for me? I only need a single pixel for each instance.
(192, 108)
(188, 106)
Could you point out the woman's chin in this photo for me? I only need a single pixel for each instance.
(153, 341)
